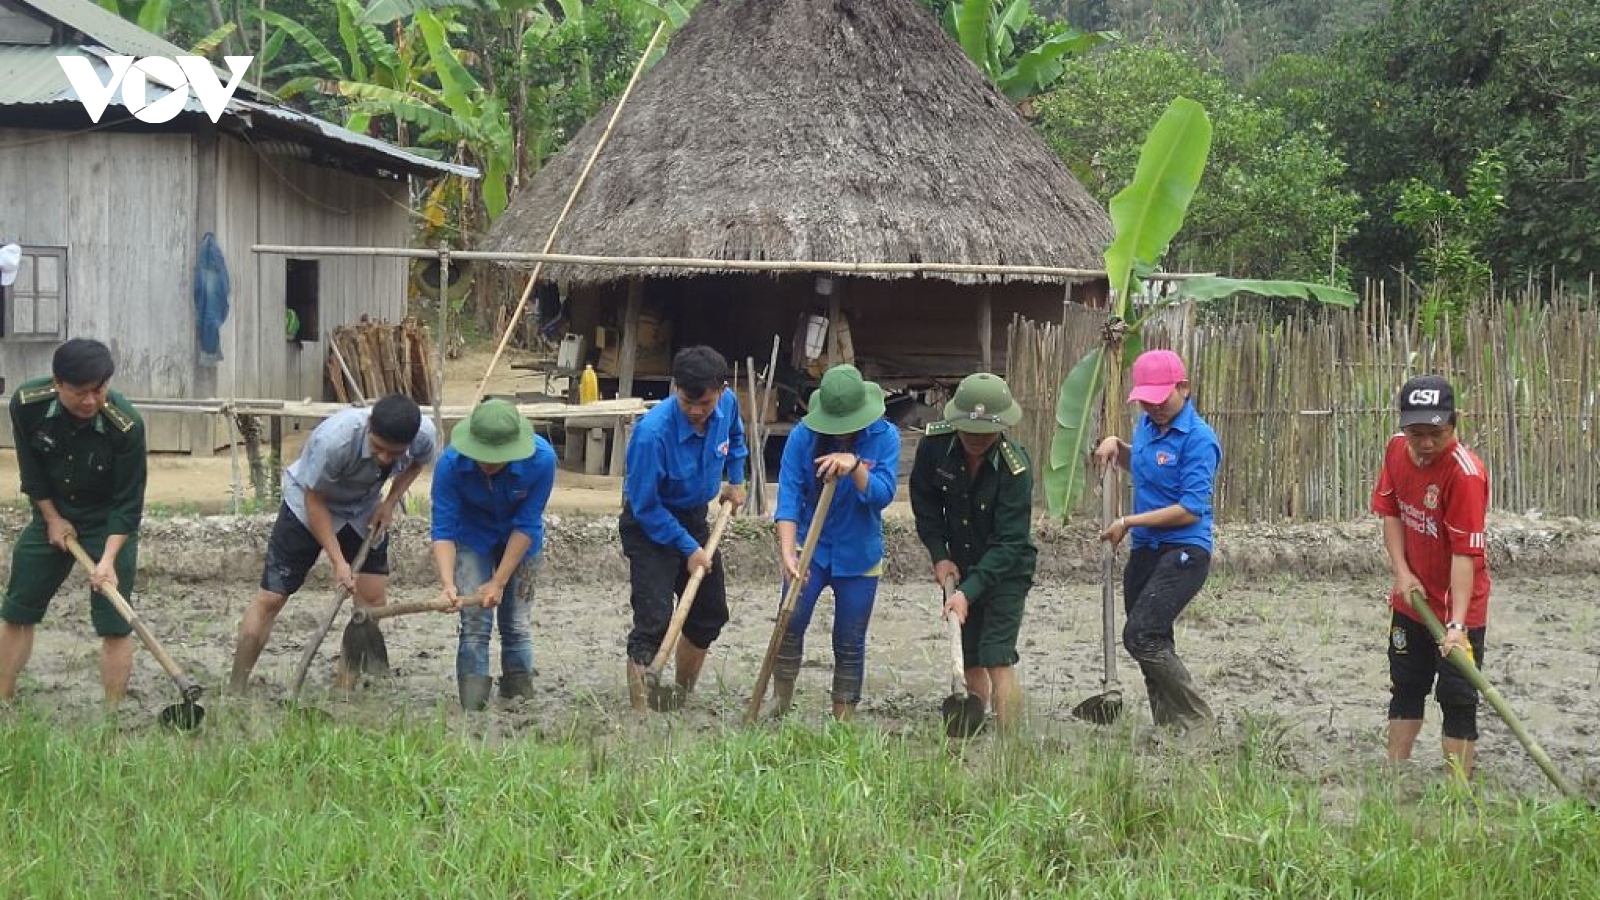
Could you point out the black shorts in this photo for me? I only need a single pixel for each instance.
(1416, 669)
(293, 550)
(658, 576)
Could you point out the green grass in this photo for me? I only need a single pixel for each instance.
(421, 810)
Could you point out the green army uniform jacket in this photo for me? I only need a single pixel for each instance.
(93, 471)
(981, 523)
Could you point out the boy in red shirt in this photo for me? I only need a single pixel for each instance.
(1433, 494)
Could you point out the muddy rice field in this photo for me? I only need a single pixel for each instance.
(1289, 634)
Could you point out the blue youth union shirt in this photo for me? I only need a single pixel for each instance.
(851, 542)
(674, 469)
(1177, 467)
(482, 511)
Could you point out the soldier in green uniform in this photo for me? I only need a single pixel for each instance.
(972, 496)
(81, 453)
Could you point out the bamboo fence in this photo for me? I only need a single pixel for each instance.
(1304, 404)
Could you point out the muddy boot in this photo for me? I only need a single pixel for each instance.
(1173, 699)
(638, 694)
(691, 660)
(782, 696)
(474, 691)
(515, 685)
(843, 712)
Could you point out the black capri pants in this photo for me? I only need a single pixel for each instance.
(657, 576)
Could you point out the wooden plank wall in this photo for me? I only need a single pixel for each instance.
(278, 200)
(132, 208)
(123, 206)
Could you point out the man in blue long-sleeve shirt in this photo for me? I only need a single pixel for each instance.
(490, 490)
(680, 454)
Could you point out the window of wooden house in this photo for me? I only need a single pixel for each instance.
(34, 306)
(303, 300)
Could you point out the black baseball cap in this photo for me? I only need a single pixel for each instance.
(1426, 400)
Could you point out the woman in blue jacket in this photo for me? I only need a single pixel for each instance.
(489, 493)
(843, 436)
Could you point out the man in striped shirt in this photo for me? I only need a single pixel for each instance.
(1433, 494)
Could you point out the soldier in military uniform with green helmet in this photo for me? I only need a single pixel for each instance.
(972, 496)
(81, 454)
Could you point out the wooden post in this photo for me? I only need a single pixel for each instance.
(629, 352)
(835, 311)
(986, 328)
(444, 340)
(619, 446)
(276, 461)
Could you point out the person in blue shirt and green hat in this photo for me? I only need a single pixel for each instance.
(490, 489)
(972, 497)
(844, 437)
(1173, 459)
(685, 452)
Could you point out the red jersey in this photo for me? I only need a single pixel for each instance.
(1442, 507)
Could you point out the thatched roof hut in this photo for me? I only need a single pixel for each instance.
(837, 130)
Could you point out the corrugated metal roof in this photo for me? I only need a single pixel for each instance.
(110, 30)
(31, 76)
(332, 132)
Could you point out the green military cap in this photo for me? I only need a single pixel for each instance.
(844, 403)
(982, 405)
(495, 433)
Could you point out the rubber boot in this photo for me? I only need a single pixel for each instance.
(638, 694)
(782, 696)
(474, 691)
(516, 685)
(691, 660)
(1173, 699)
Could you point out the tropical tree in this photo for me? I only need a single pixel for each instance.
(1419, 94)
(1020, 52)
(1146, 216)
(1271, 204)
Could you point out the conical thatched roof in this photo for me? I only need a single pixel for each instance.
(850, 130)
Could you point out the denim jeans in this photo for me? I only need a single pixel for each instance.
(514, 614)
(853, 599)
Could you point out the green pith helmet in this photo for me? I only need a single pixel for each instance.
(494, 433)
(982, 405)
(845, 403)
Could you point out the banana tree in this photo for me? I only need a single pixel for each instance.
(1145, 216)
(987, 31)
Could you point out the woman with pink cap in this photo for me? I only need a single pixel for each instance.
(1173, 458)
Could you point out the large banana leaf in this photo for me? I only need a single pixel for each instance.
(969, 21)
(460, 89)
(1076, 406)
(1039, 68)
(378, 100)
(1212, 288)
(382, 12)
(308, 42)
(1148, 213)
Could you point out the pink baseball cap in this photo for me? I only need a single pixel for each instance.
(1155, 374)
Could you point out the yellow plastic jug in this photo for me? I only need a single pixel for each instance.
(588, 386)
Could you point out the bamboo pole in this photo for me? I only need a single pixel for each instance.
(1067, 274)
(555, 228)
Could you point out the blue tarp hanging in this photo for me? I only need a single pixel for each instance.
(210, 299)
